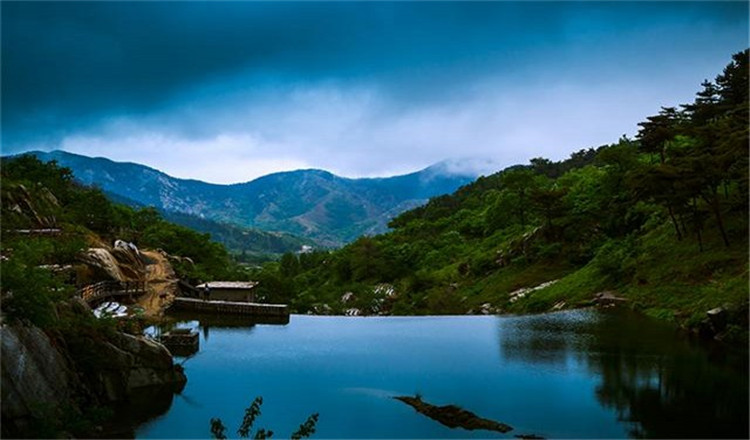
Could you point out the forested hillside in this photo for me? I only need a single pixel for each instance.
(249, 245)
(48, 220)
(661, 220)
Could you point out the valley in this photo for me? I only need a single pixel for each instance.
(573, 264)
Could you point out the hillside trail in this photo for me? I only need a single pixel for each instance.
(161, 285)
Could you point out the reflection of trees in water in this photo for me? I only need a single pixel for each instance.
(549, 339)
(649, 373)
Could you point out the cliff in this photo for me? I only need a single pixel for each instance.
(49, 377)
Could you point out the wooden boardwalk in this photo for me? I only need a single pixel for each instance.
(230, 307)
(97, 293)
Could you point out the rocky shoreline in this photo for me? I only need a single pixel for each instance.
(48, 374)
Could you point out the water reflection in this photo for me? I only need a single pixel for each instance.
(227, 321)
(147, 404)
(662, 385)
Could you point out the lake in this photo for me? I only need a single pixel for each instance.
(582, 374)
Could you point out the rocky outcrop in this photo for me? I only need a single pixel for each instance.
(103, 260)
(453, 416)
(123, 262)
(131, 261)
(608, 299)
(36, 209)
(133, 362)
(35, 375)
(727, 323)
(43, 374)
(162, 284)
(524, 291)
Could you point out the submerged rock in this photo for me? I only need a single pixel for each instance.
(453, 416)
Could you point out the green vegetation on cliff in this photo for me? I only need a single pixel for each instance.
(661, 219)
(48, 220)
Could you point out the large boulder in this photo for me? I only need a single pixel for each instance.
(103, 260)
(123, 262)
(131, 262)
(135, 362)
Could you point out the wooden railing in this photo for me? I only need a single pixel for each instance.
(97, 292)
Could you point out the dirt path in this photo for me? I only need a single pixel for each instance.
(161, 284)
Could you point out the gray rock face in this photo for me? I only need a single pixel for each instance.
(121, 263)
(33, 372)
(37, 209)
(137, 362)
(41, 374)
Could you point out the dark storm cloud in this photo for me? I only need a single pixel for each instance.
(191, 71)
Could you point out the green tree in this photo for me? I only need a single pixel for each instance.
(252, 412)
(520, 183)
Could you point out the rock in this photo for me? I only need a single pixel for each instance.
(453, 416)
(524, 291)
(558, 306)
(37, 211)
(130, 260)
(33, 372)
(718, 319)
(352, 312)
(177, 259)
(124, 262)
(385, 289)
(134, 362)
(608, 298)
(518, 294)
(321, 309)
(348, 296)
(102, 259)
(41, 373)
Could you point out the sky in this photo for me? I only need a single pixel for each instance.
(228, 91)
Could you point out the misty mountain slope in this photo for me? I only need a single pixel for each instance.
(311, 203)
(252, 243)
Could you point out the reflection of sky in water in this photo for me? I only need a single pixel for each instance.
(545, 374)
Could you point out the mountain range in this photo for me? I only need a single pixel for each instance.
(315, 204)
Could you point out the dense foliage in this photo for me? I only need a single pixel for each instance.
(661, 218)
(248, 245)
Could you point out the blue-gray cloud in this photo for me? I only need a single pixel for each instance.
(362, 88)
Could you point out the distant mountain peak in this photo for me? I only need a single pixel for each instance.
(466, 167)
(312, 203)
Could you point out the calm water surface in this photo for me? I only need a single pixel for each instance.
(582, 374)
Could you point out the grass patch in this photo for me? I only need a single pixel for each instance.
(575, 288)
